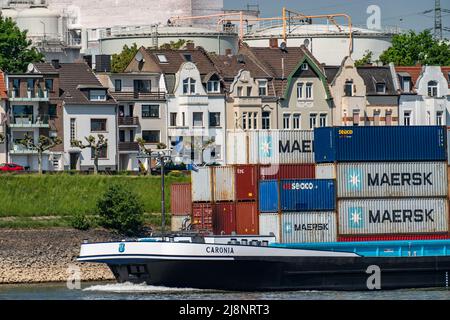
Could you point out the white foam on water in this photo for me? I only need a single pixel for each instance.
(128, 287)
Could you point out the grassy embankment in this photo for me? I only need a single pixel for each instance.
(33, 201)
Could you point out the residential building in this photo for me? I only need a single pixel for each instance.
(88, 109)
(424, 95)
(3, 99)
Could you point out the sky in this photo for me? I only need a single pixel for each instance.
(406, 14)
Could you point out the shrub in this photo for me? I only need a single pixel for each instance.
(81, 222)
(120, 210)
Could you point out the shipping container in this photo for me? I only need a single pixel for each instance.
(180, 199)
(202, 216)
(223, 183)
(325, 171)
(202, 185)
(308, 195)
(224, 218)
(268, 196)
(269, 223)
(247, 218)
(391, 179)
(394, 237)
(308, 227)
(246, 182)
(287, 171)
(237, 147)
(393, 216)
(177, 223)
(386, 143)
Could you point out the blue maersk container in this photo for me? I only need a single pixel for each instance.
(308, 195)
(387, 143)
(268, 196)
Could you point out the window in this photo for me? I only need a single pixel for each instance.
(244, 120)
(151, 136)
(49, 84)
(102, 153)
(150, 111)
(305, 66)
(213, 86)
(214, 119)
(296, 121)
(407, 118)
(255, 120)
(142, 86)
(98, 125)
(249, 91)
(323, 120)
(312, 120)
(122, 136)
(215, 152)
(286, 121)
(356, 118)
(262, 87)
(309, 90)
(73, 135)
(188, 86)
(388, 118)
(348, 88)
(16, 87)
(187, 57)
(439, 118)
(183, 119)
(30, 84)
(52, 111)
(118, 85)
(197, 119)
(266, 120)
(300, 90)
(406, 84)
(97, 95)
(432, 89)
(239, 91)
(162, 58)
(381, 87)
(173, 119)
(376, 118)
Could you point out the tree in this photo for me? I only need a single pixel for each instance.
(410, 49)
(121, 61)
(175, 45)
(95, 145)
(365, 60)
(121, 210)
(44, 144)
(15, 49)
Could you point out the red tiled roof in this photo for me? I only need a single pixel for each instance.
(3, 93)
(446, 72)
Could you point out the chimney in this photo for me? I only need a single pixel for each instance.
(228, 52)
(190, 46)
(273, 43)
(55, 64)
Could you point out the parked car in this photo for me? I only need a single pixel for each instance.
(11, 167)
(168, 168)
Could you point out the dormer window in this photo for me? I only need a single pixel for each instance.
(117, 85)
(49, 84)
(348, 88)
(188, 86)
(187, 57)
(162, 58)
(262, 87)
(305, 66)
(432, 89)
(213, 86)
(97, 95)
(381, 87)
(406, 84)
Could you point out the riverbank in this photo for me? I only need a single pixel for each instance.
(37, 256)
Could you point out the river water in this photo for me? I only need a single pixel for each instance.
(127, 291)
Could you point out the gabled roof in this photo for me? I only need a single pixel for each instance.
(73, 78)
(45, 68)
(373, 75)
(414, 72)
(3, 93)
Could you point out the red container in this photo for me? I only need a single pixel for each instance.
(224, 218)
(202, 216)
(287, 171)
(396, 237)
(180, 199)
(247, 218)
(246, 182)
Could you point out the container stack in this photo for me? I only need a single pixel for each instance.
(180, 204)
(391, 182)
(202, 200)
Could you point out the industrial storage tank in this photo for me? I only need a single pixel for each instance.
(111, 41)
(39, 21)
(9, 13)
(328, 43)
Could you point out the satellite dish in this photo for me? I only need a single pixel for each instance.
(30, 67)
(139, 56)
(306, 42)
(283, 46)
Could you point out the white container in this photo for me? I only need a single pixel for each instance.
(237, 147)
(308, 227)
(392, 216)
(391, 179)
(269, 222)
(201, 185)
(224, 183)
(325, 171)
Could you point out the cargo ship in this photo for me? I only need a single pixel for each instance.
(258, 263)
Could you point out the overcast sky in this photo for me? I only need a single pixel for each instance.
(407, 14)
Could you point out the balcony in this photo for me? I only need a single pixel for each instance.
(128, 121)
(29, 121)
(31, 96)
(247, 101)
(20, 149)
(125, 147)
(192, 100)
(139, 96)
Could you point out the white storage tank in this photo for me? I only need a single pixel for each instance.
(39, 21)
(9, 13)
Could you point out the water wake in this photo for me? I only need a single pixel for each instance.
(129, 287)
